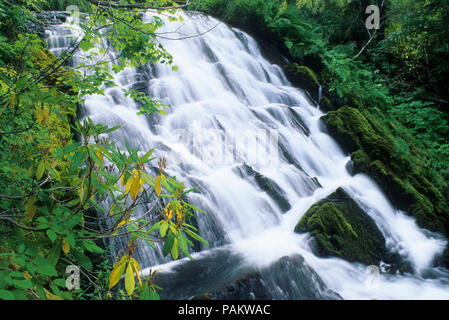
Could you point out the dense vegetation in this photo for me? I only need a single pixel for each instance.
(54, 186)
(386, 90)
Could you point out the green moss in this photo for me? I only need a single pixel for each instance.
(306, 73)
(326, 105)
(404, 192)
(304, 77)
(355, 132)
(375, 153)
(342, 229)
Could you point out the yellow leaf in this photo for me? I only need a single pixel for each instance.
(123, 222)
(30, 208)
(51, 296)
(135, 186)
(42, 116)
(122, 178)
(100, 156)
(137, 268)
(65, 246)
(26, 275)
(82, 190)
(117, 272)
(130, 283)
(128, 184)
(158, 186)
(111, 209)
(12, 101)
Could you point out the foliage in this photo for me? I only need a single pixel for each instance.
(53, 185)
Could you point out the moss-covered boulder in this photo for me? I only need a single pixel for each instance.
(305, 78)
(342, 229)
(403, 181)
(326, 105)
(353, 131)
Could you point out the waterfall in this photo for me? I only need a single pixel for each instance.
(234, 120)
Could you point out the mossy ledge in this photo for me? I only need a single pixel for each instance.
(305, 78)
(342, 229)
(404, 181)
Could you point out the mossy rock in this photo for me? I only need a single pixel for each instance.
(326, 105)
(353, 131)
(403, 192)
(342, 229)
(305, 78)
(43, 58)
(374, 153)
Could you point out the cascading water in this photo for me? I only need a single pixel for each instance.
(235, 126)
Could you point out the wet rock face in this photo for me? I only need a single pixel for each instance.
(290, 278)
(401, 177)
(306, 78)
(268, 185)
(52, 17)
(342, 229)
(44, 19)
(224, 274)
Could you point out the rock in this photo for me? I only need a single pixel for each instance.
(52, 17)
(267, 185)
(443, 259)
(342, 229)
(305, 78)
(402, 180)
(326, 105)
(353, 131)
(290, 278)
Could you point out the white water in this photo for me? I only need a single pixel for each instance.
(225, 88)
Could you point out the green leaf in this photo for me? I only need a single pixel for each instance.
(182, 244)
(51, 235)
(83, 260)
(6, 295)
(163, 229)
(168, 244)
(155, 226)
(195, 236)
(22, 284)
(40, 170)
(90, 246)
(44, 267)
(174, 250)
(54, 254)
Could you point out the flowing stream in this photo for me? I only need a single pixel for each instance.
(235, 117)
